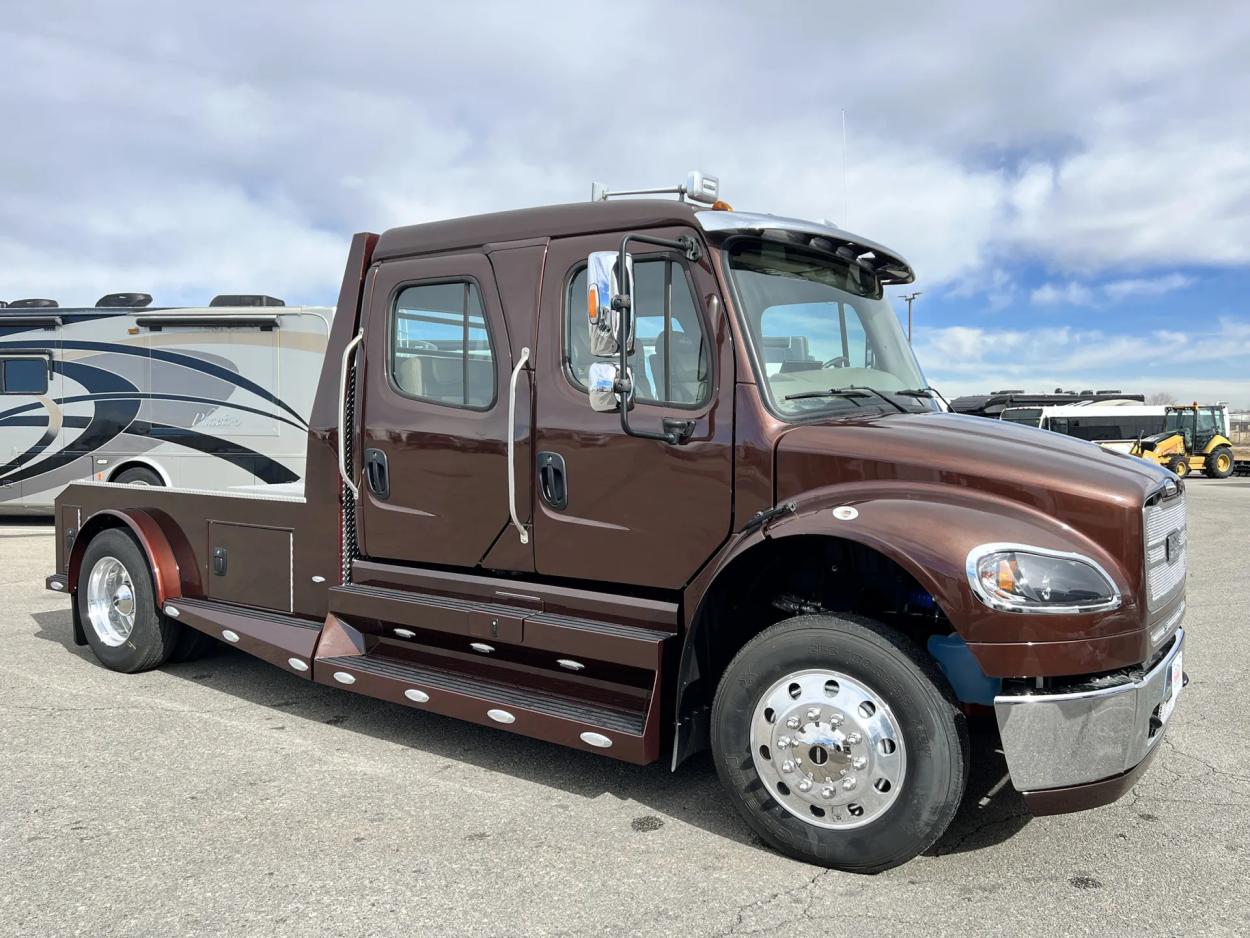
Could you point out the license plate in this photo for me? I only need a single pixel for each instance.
(1172, 687)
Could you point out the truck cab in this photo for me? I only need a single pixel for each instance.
(646, 477)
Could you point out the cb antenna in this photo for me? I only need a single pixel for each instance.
(846, 192)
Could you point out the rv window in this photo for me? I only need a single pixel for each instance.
(23, 376)
(440, 346)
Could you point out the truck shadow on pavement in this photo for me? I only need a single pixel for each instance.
(989, 814)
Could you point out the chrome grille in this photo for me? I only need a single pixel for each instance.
(1167, 549)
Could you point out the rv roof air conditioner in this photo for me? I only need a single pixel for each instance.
(245, 299)
(124, 301)
(33, 304)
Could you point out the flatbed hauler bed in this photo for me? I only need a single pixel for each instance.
(649, 477)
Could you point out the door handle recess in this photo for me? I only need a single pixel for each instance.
(378, 474)
(552, 481)
(516, 373)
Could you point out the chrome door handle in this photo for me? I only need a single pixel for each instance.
(347, 354)
(516, 373)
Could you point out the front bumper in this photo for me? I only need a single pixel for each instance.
(1079, 738)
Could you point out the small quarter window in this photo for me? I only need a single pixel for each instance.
(670, 360)
(24, 376)
(440, 346)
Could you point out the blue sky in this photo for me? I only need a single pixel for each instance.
(1070, 180)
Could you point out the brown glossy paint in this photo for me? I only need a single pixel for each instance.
(639, 511)
(615, 584)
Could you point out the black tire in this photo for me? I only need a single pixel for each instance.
(153, 637)
(1220, 463)
(1179, 466)
(191, 644)
(139, 475)
(934, 731)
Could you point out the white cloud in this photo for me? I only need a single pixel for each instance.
(244, 142)
(1068, 294)
(1201, 365)
(1146, 286)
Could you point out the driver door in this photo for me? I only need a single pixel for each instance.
(614, 507)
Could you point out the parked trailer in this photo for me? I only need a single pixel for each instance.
(210, 398)
(782, 550)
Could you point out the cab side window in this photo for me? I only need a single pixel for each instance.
(440, 345)
(670, 359)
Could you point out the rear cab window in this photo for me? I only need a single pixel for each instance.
(441, 347)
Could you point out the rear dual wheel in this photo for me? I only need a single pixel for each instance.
(117, 608)
(839, 743)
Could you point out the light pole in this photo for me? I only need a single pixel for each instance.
(910, 298)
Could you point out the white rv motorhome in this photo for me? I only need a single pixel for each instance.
(214, 397)
(1116, 425)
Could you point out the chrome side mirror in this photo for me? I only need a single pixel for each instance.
(603, 284)
(604, 319)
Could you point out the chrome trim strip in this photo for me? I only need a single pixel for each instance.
(347, 354)
(516, 373)
(974, 556)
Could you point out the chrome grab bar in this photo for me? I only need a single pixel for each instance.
(347, 354)
(516, 373)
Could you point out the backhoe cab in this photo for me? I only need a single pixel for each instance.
(1194, 440)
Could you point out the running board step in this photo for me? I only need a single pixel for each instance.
(626, 734)
(285, 641)
(629, 645)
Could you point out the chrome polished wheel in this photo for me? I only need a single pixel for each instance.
(111, 601)
(828, 749)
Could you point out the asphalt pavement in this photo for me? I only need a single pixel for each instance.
(223, 796)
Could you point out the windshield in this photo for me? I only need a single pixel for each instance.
(817, 325)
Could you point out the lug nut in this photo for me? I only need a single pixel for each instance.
(794, 723)
(841, 772)
(855, 739)
(859, 762)
(785, 742)
(826, 792)
(848, 784)
(805, 785)
(836, 719)
(788, 766)
(813, 713)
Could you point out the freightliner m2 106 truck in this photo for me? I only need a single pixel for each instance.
(645, 477)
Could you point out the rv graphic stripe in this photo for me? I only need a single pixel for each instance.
(174, 358)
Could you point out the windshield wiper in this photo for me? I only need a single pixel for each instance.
(926, 391)
(831, 392)
(895, 404)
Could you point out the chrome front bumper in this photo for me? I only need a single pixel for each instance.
(1065, 739)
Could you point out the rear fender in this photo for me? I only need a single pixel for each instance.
(173, 566)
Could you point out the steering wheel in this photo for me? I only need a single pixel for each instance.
(840, 362)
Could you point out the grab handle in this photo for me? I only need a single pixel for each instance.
(516, 373)
(347, 354)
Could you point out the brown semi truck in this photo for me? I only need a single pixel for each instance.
(646, 477)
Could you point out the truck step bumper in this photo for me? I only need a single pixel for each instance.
(1085, 747)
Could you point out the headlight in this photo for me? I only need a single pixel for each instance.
(1016, 578)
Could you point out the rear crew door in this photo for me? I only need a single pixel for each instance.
(433, 463)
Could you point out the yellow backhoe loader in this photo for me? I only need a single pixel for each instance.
(1194, 440)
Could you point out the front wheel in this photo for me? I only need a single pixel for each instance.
(1220, 463)
(1179, 466)
(840, 743)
